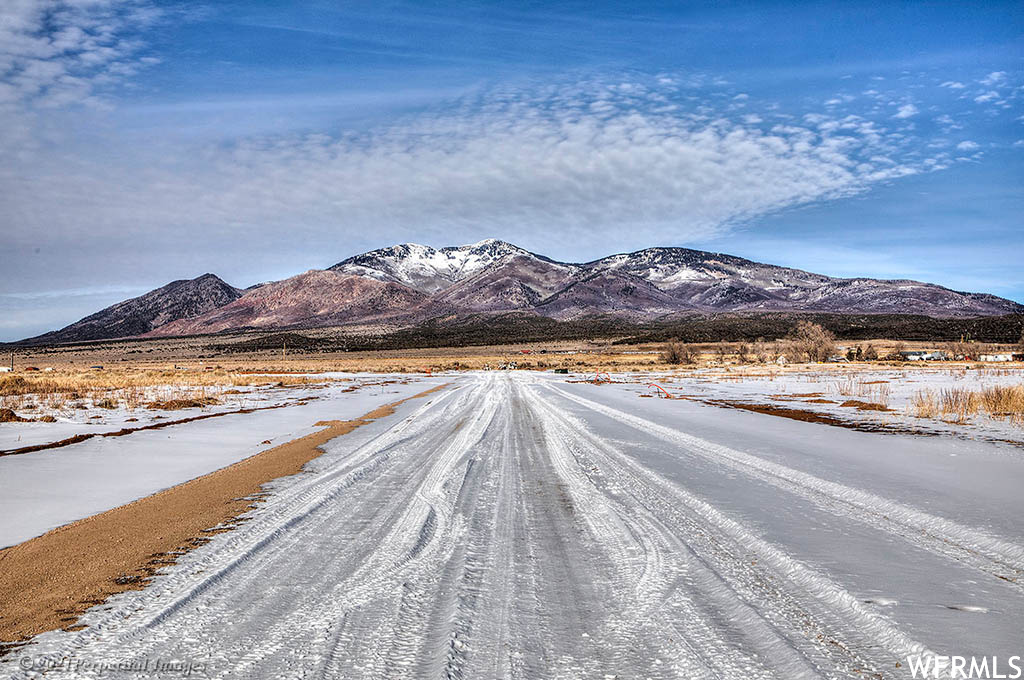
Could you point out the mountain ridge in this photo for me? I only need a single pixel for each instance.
(409, 283)
(180, 299)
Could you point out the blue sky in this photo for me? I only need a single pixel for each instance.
(143, 142)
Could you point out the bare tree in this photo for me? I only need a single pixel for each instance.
(958, 350)
(762, 352)
(722, 352)
(811, 341)
(743, 353)
(870, 353)
(676, 352)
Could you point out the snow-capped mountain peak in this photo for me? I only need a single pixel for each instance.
(429, 269)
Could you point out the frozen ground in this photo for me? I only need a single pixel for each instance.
(826, 390)
(83, 416)
(519, 525)
(45, 489)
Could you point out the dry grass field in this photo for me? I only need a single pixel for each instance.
(196, 371)
(200, 361)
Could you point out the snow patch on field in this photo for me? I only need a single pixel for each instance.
(45, 489)
(826, 391)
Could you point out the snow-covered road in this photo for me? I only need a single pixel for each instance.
(519, 526)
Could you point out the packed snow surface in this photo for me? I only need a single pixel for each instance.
(519, 525)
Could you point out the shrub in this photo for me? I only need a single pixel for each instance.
(13, 384)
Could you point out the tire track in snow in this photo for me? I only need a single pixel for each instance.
(968, 545)
(392, 564)
(779, 605)
(233, 556)
(648, 570)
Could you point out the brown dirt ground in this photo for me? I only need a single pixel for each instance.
(49, 581)
(865, 405)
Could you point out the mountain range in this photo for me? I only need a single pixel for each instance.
(410, 283)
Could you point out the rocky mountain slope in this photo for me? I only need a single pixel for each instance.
(316, 298)
(183, 299)
(717, 282)
(410, 283)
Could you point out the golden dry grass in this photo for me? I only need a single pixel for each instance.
(134, 364)
(960, 404)
(67, 390)
(875, 391)
(72, 382)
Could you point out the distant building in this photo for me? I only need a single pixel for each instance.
(924, 355)
(995, 357)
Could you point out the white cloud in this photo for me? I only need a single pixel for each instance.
(947, 123)
(75, 292)
(839, 99)
(989, 96)
(509, 164)
(967, 145)
(905, 111)
(52, 46)
(953, 85)
(56, 53)
(993, 79)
